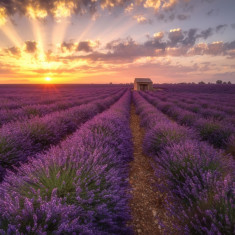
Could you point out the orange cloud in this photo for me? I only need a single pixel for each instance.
(141, 19)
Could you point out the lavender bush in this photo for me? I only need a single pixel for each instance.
(30, 111)
(22, 139)
(78, 187)
(163, 134)
(198, 179)
(215, 132)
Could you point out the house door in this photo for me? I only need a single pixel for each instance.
(143, 87)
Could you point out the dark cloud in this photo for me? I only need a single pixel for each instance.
(84, 46)
(177, 43)
(186, 38)
(155, 43)
(15, 51)
(230, 45)
(210, 12)
(127, 48)
(67, 46)
(175, 36)
(166, 10)
(206, 33)
(221, 28)
(49, 6)
(191, 37)
(169, 10)
(182, 17)
(30, 46)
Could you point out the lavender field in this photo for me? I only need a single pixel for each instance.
(71, 159)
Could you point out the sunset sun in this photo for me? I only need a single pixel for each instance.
(48, 79)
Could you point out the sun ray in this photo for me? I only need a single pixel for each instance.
(86, 30)
(9, 30)
(37, 31)
(120, 31)
(62, 11)
(106, 34)
(59, 32)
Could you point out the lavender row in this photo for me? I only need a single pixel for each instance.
(222, 102)
(79, 187)
(213, 89)
(205, 107)
(17, 97)
(30, 111)
(219, 134)
(22, 139)
(197, 178)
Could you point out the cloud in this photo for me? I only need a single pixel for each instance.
(85, 46)
(210, 12)
(182, 17)
(175, 36)
(68, 46)
(59, 9)
(129, 8)
(206, 33)
(166, 10)
(127, 48)
(158, 35)
(160, 4)
(142, 19)
(221, 28)
(15, 51)
(233, 26)
(2, 16)
(214, 48)
(191, 37)
(230, 45)
(176, 42)
(30, 46)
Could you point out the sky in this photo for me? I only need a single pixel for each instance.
(104, 41)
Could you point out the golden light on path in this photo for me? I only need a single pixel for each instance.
(48, 79)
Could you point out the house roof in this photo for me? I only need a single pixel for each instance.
(143, 80)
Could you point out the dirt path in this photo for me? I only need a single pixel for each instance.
(145, 201)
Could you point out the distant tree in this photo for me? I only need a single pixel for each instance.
(201, 82)
(219, 82)
(224, 82)
(229, 82)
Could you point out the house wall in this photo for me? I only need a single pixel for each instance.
(137, 85)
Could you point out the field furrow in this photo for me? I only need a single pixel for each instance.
(146, 201)
(218, 133)
(30, 111)
(198, 179)
(80, 186)
(20, 140)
